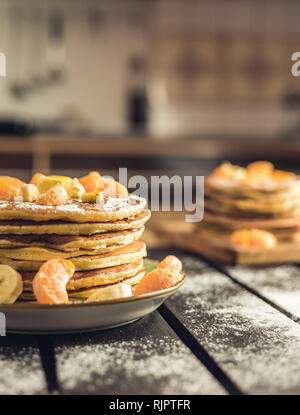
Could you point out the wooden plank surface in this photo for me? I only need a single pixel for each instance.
(254, 344)
(145, 357)
(279, 284)
(21, 370)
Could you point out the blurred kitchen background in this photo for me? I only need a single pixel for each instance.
(158, 86)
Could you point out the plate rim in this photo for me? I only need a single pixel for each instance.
(31, 306)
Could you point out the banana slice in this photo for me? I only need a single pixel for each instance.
(11, 285)
(46, 182)
(110, 293)
(30, 192)
(77, 189)
(90, 197)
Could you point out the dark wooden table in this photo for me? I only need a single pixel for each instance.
(229, 330)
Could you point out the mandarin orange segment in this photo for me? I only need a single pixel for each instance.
(114, 188)
(256, 178)
(260, 167)
(281, 176)
(158, 279)
(224, 170)
(258, 172)
(92, 182)
(49, 283)
(228, 171)
(7, 192)
(12, 181)
(171, 262)
(240, 237)
(35, 178)
(253, 238)
(10, 187)
(55, 196)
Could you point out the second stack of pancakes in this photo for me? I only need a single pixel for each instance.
(102, 242)
(257, 196)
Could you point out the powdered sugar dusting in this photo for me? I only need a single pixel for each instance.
(110, 209)
(27, 206)
(110, 205)
(133, 361)
(253, 342)
(20, 371)
(281, 284)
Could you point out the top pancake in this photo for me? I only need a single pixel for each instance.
(112, 209)
(232, 187)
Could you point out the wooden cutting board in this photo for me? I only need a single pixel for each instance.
(183, 237)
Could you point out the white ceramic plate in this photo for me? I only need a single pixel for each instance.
(29, 318)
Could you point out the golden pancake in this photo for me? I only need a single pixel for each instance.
(20, 227)
(32, 253)
(83, 293)
(242, 192)
(86, 292)
(124, 255)
(239, 222)
(253, 208)
(112, 209)
(36, 253)
(101, 243)
(86, 279)
(232, 187)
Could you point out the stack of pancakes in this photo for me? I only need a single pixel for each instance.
(101, 240)
(269, 204)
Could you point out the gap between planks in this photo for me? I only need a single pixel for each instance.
(199, 352)
(48, 360)
(47, 351)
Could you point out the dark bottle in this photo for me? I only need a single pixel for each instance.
(137, 100)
